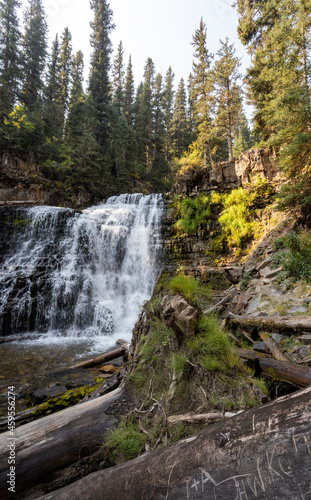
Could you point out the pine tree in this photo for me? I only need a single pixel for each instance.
(118, 81)
(278, 34)
(227, 92)
(242, 139)
(144, 119)
(201, 92)
(168, 103)
(34, 54)
(179, 128)
(99, 84)
(65, 73)
(129, 94)
(76, 107)
(10, 61)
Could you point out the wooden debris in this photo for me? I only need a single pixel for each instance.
(299, 376)
(108, 356)
(261, 453)
(217, 307)
(250, 354)
(270, 323)
(44, 447)
(195, 418)
(273, 348)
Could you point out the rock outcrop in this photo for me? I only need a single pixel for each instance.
(256, 162)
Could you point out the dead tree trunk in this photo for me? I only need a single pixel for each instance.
(297, 375)
(271, 323)
(44, 447)
(103, 358)
(259, 454)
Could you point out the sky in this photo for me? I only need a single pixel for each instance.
(160, 29)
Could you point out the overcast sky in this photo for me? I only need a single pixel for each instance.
(160, 29)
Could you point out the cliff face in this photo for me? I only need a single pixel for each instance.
(22, 181)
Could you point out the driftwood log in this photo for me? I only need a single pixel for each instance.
(217, 307)
(273, 348)
(297, 375)
(44, 447)
(271, 323)
(103, 358)
(261, 454)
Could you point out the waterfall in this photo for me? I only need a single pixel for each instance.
(71, 275)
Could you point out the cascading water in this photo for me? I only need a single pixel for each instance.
(74, 282)
(81, 274)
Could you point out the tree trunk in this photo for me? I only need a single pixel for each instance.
(271, 323)
(44, 447)
(273, 348)
(108, 356)
(297, 375)
(263, 453)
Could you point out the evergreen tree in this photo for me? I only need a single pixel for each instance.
(278, 34)
(51, 109)
(201, 92)
(243, 138)
(10, 71)
(34, 54)
(144, 119)
(64, 73)
(129, 94)
(168, 103)
(227, 92)
(99, 85)
(76, 107)
(179, 128)
(118, 81)
(160, 167)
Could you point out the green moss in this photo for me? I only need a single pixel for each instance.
(188, 287)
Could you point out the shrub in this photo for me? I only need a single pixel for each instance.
(235, 219)
(125, 442)
(194, 214)
(295, 255)
(188, 287)
(179, 363)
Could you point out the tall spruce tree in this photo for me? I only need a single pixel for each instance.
(168, 104)
(129, 92)
(227, 92)
(99, 84)
(179, 127)
(34, 54)
(76, 106)
(118, 81)
(65, 72)
(201, 92)
(10, 61)
(278, 34)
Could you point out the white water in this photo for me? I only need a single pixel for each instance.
(89, 273)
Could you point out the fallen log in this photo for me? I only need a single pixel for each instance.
(108, 356)
(259, 454)
(203, 417)
(44, 447)
(297, 375)
(270, 323)
(250, 354)
(222, 303)
(273, 348)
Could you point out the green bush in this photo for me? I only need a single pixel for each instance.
(295, 255)
(188, 287)
(125, 442)
(179, 363)
(194, 214)
(235, 219)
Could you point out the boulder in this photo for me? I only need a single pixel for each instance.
(255, 162)
(179, 315)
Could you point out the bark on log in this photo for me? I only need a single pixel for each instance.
(203, 417)
(222, 303)
(297, 375)
(261, 454)
(108, 356)
(250, 354)
(271, 323)
(44, 447)
(273, 348)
